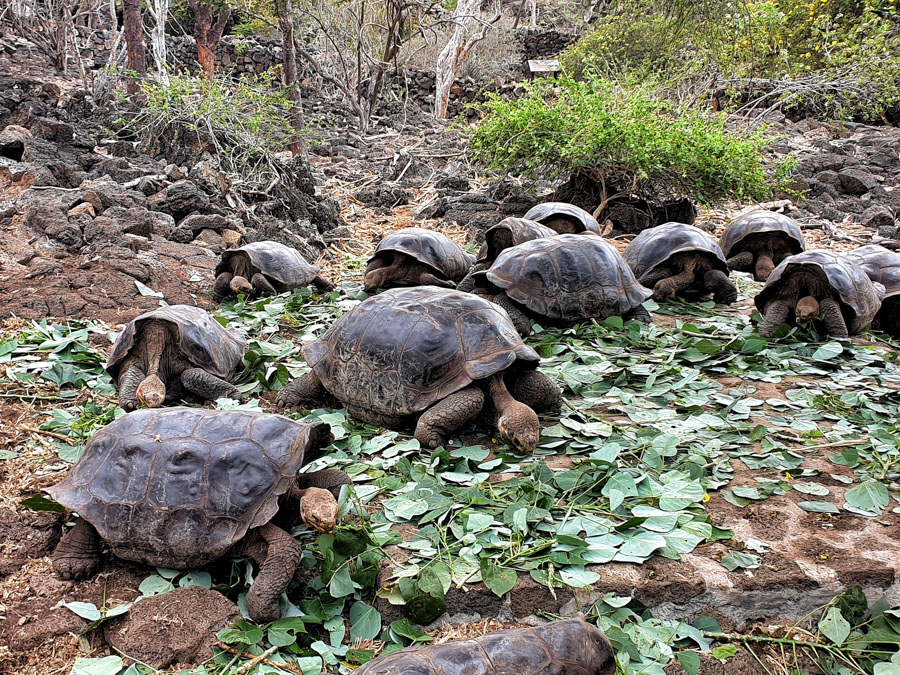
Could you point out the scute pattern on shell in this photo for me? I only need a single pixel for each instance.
(177, 487)
(202, 340)
(400, 351)
(430, 248)
(521, 229)
(860, 298)
(655, 245)
(274, 260)
(758, 222)
(569, 277)
(571, 647)
(881, 265)
(550, 210)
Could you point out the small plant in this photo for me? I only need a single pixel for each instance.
(625, 138)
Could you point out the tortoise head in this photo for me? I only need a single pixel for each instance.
(151, 392)
(240, 285)
(807, 308)
(519, 425)
(319, 509)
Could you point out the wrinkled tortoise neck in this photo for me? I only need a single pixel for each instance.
(151, 391)
(517, 423)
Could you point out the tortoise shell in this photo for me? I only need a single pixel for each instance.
(430, 248)
(569, 277)
(521, 229)
(176, 487)
(756, 223)
(572, 647)
(859, 297)
(881, 265)
(655, 245)
(275, 261)
(398, 352)
(582, 220)
(203, 340)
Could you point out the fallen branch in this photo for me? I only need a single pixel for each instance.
(256, 660)
(46, 433)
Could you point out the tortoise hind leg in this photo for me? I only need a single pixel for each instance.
(261, 285)
(207, 386)
(520, 320)
(448, 415)
(278, 555)
(639, 314)
(77, 556)
(777, 313)
(742, 262)
(222, 287)
(833, 318)
(724, 292)
(536, 390)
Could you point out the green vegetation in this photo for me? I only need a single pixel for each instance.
(624, 137)
(837, 58)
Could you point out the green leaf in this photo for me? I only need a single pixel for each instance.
(818, 507)
(365, 621)
(724, 652)
(155, 585)
(816, 489)
(828, 351)
(341, 584)
(8, 454)
(868, 498)
(147, 291)
(736, 559)
(108, 665)
(193, 578)
(86, 610)
(834, 626)
(405, 628)
(243, 632)
(42, 503)
(690, 661)
(500, 580)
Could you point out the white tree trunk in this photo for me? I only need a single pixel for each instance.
(533, 5)
(159, 11)
(468, 32)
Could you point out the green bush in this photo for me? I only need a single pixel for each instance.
(625, 137)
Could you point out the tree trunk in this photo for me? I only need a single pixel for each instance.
(285, 13)
(159, 10)
(134, 38)
(207, 35)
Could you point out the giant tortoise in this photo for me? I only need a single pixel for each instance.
(882, 266)
(508, 232)
(758, 241)
(564, 218)
(570, 647)
(182, 487)
(819, 284)
(415, 256)
(429, 354)
(563, 280)
(679, 259)
(171, 350)
(265, 268)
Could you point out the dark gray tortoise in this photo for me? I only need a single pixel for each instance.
(883, 266)
(428, 357)
(505, 234)
(678, 259)
(415, 256)
(563, 280)
(822, 285)
(571, 647)
(182, 487)
(758, 241)
(172, 350)
(265, 268)
(563, 218)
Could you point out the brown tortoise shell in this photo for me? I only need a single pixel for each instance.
(275, 261)
(430, 248)
(569, 277)
(177, 487)
(521, 229)
(572, 647)
(203, 340)
(758, 223)
(655, 245)
(578, 216)
(398, 352)
(860, 298)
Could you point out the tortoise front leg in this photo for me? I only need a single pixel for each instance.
(654, 276)
(426, 278)
(467, 285)
(520, 320)
(448, 415)
(277, 567)
(742, 262)
(638, 313)
(378, 272)
(77, 556)
(222, 287)
(666, 289)
(130, 378)
(724, 292)
(536, 390)
(833, 318)
(777, 313)
(261, 285)
(207, 386)
(305, 389)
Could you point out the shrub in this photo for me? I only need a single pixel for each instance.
(623, 137)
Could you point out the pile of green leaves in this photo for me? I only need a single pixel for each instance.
(625, 137)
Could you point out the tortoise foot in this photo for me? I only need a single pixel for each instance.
(78, 554)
